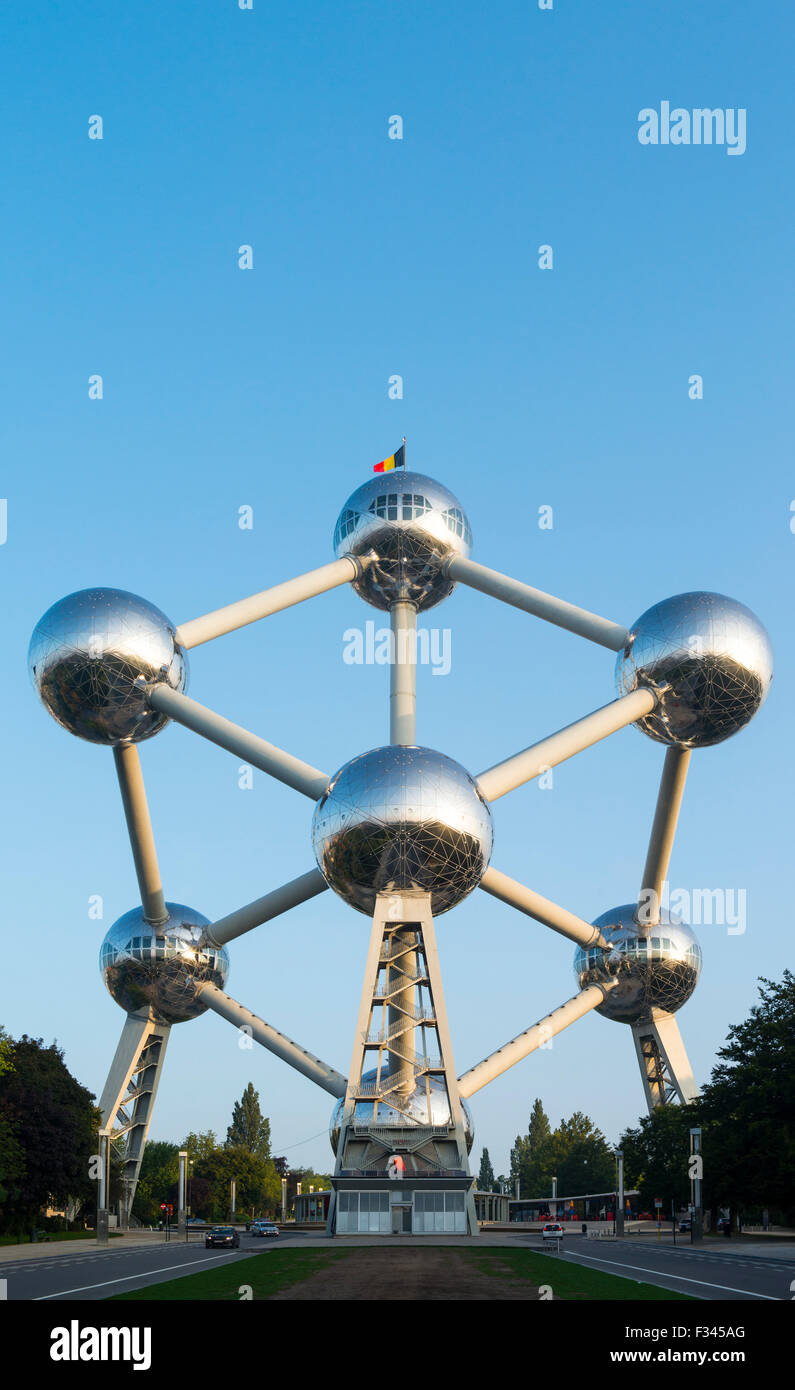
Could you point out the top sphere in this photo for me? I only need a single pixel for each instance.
(408, 526)
(710, 658)
(86, 655)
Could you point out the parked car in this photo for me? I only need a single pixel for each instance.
(685, 1224)
(195, 1221)
(724, 1224)
(552, 1231)
(222, 1237)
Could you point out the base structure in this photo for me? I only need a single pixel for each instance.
(402, 1130)
(128, 1097)
(664, 1067)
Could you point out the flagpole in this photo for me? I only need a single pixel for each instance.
(404, 453)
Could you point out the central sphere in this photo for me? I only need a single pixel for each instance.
(159, 967)
(407, 526)
(656, 967)
(402, 818)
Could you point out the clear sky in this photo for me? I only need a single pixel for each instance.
(268, 388)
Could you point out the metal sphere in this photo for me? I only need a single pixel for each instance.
(159, 967)
(402, 818)
(421, 1108)
(86, 655)
(656, 967)
(408, 526)
(711, 660)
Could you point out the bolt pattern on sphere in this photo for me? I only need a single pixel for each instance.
(159, 967)
(407, 526)
(87, 657)
(711, 661)
(402, 818)
(656, 967)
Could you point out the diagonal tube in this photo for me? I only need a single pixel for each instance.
(139, 826)
(298, 890)
(541, 605)
(281, 1046)
(261, 605)
(522, 767)
(666, 815)
(508, 890)
(266, 756)
(534, 1037)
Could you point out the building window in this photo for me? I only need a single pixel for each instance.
(440, 1213)
(363, 1213)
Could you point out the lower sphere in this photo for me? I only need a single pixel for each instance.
(656, 967)
(159, 967)
(420, 1108)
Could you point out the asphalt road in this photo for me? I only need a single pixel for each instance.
(97, 1274)
(701, 1272)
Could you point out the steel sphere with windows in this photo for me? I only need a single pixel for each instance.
(422, 1107)
(709, 659)
(91, 656)
(159, 966)
(657, 967)
(398, 819)
(407, 526)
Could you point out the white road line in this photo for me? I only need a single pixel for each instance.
(143, 1274)
(664, 1274)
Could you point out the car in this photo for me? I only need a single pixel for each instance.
(724, 1224)
(552, 1231)
(264, 1228)
(223, 1237)
(195, 1221)
(685, 1224)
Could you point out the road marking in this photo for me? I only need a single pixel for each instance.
(143, 1274)
(663, 1274)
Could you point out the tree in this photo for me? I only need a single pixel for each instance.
(199, 1146)
(486, 1179)
(747, 1109)
(12, 1156)
(532, 1156)
(583, 1159)
(256, 1181)
(656, 1156)
(249, 1129)
(49, 1122)
(158, 1181)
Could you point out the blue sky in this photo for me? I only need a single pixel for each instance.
(268, 388)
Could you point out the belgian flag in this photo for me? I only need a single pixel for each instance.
(396, 460)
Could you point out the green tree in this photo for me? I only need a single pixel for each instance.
(486, 1179)
(12, 1156)
(256, 1180)
(747, 1109)
(656, 1156)
(249, 1129)
(50, 1122)
(532, 1158)
(199, 1146)
(158, 1181)
(583, 1159)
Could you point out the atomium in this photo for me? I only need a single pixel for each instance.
(710, 660)
(158, 967)
(425, 1105)
(399, 819)
(657, 967)
(408, 526)
(87, 655)
(402, 832)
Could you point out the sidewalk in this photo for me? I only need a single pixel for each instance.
(45, 1249)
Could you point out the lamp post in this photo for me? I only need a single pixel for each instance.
(619, 1221)
(696, 1168)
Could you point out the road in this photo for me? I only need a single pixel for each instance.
(95, 1274)
(704, 1272)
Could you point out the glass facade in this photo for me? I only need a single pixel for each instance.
(363, 1213)
(439, 1213)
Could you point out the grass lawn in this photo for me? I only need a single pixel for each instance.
(269, 1273)
(266, 1274)
(568, 1281)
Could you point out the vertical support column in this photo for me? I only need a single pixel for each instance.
(403, 1006)
(620, 1195)
(181, 1212)
(697, 1214)
(403, 674)
(132, 1081)
(102, 1188)
(664, 1065)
